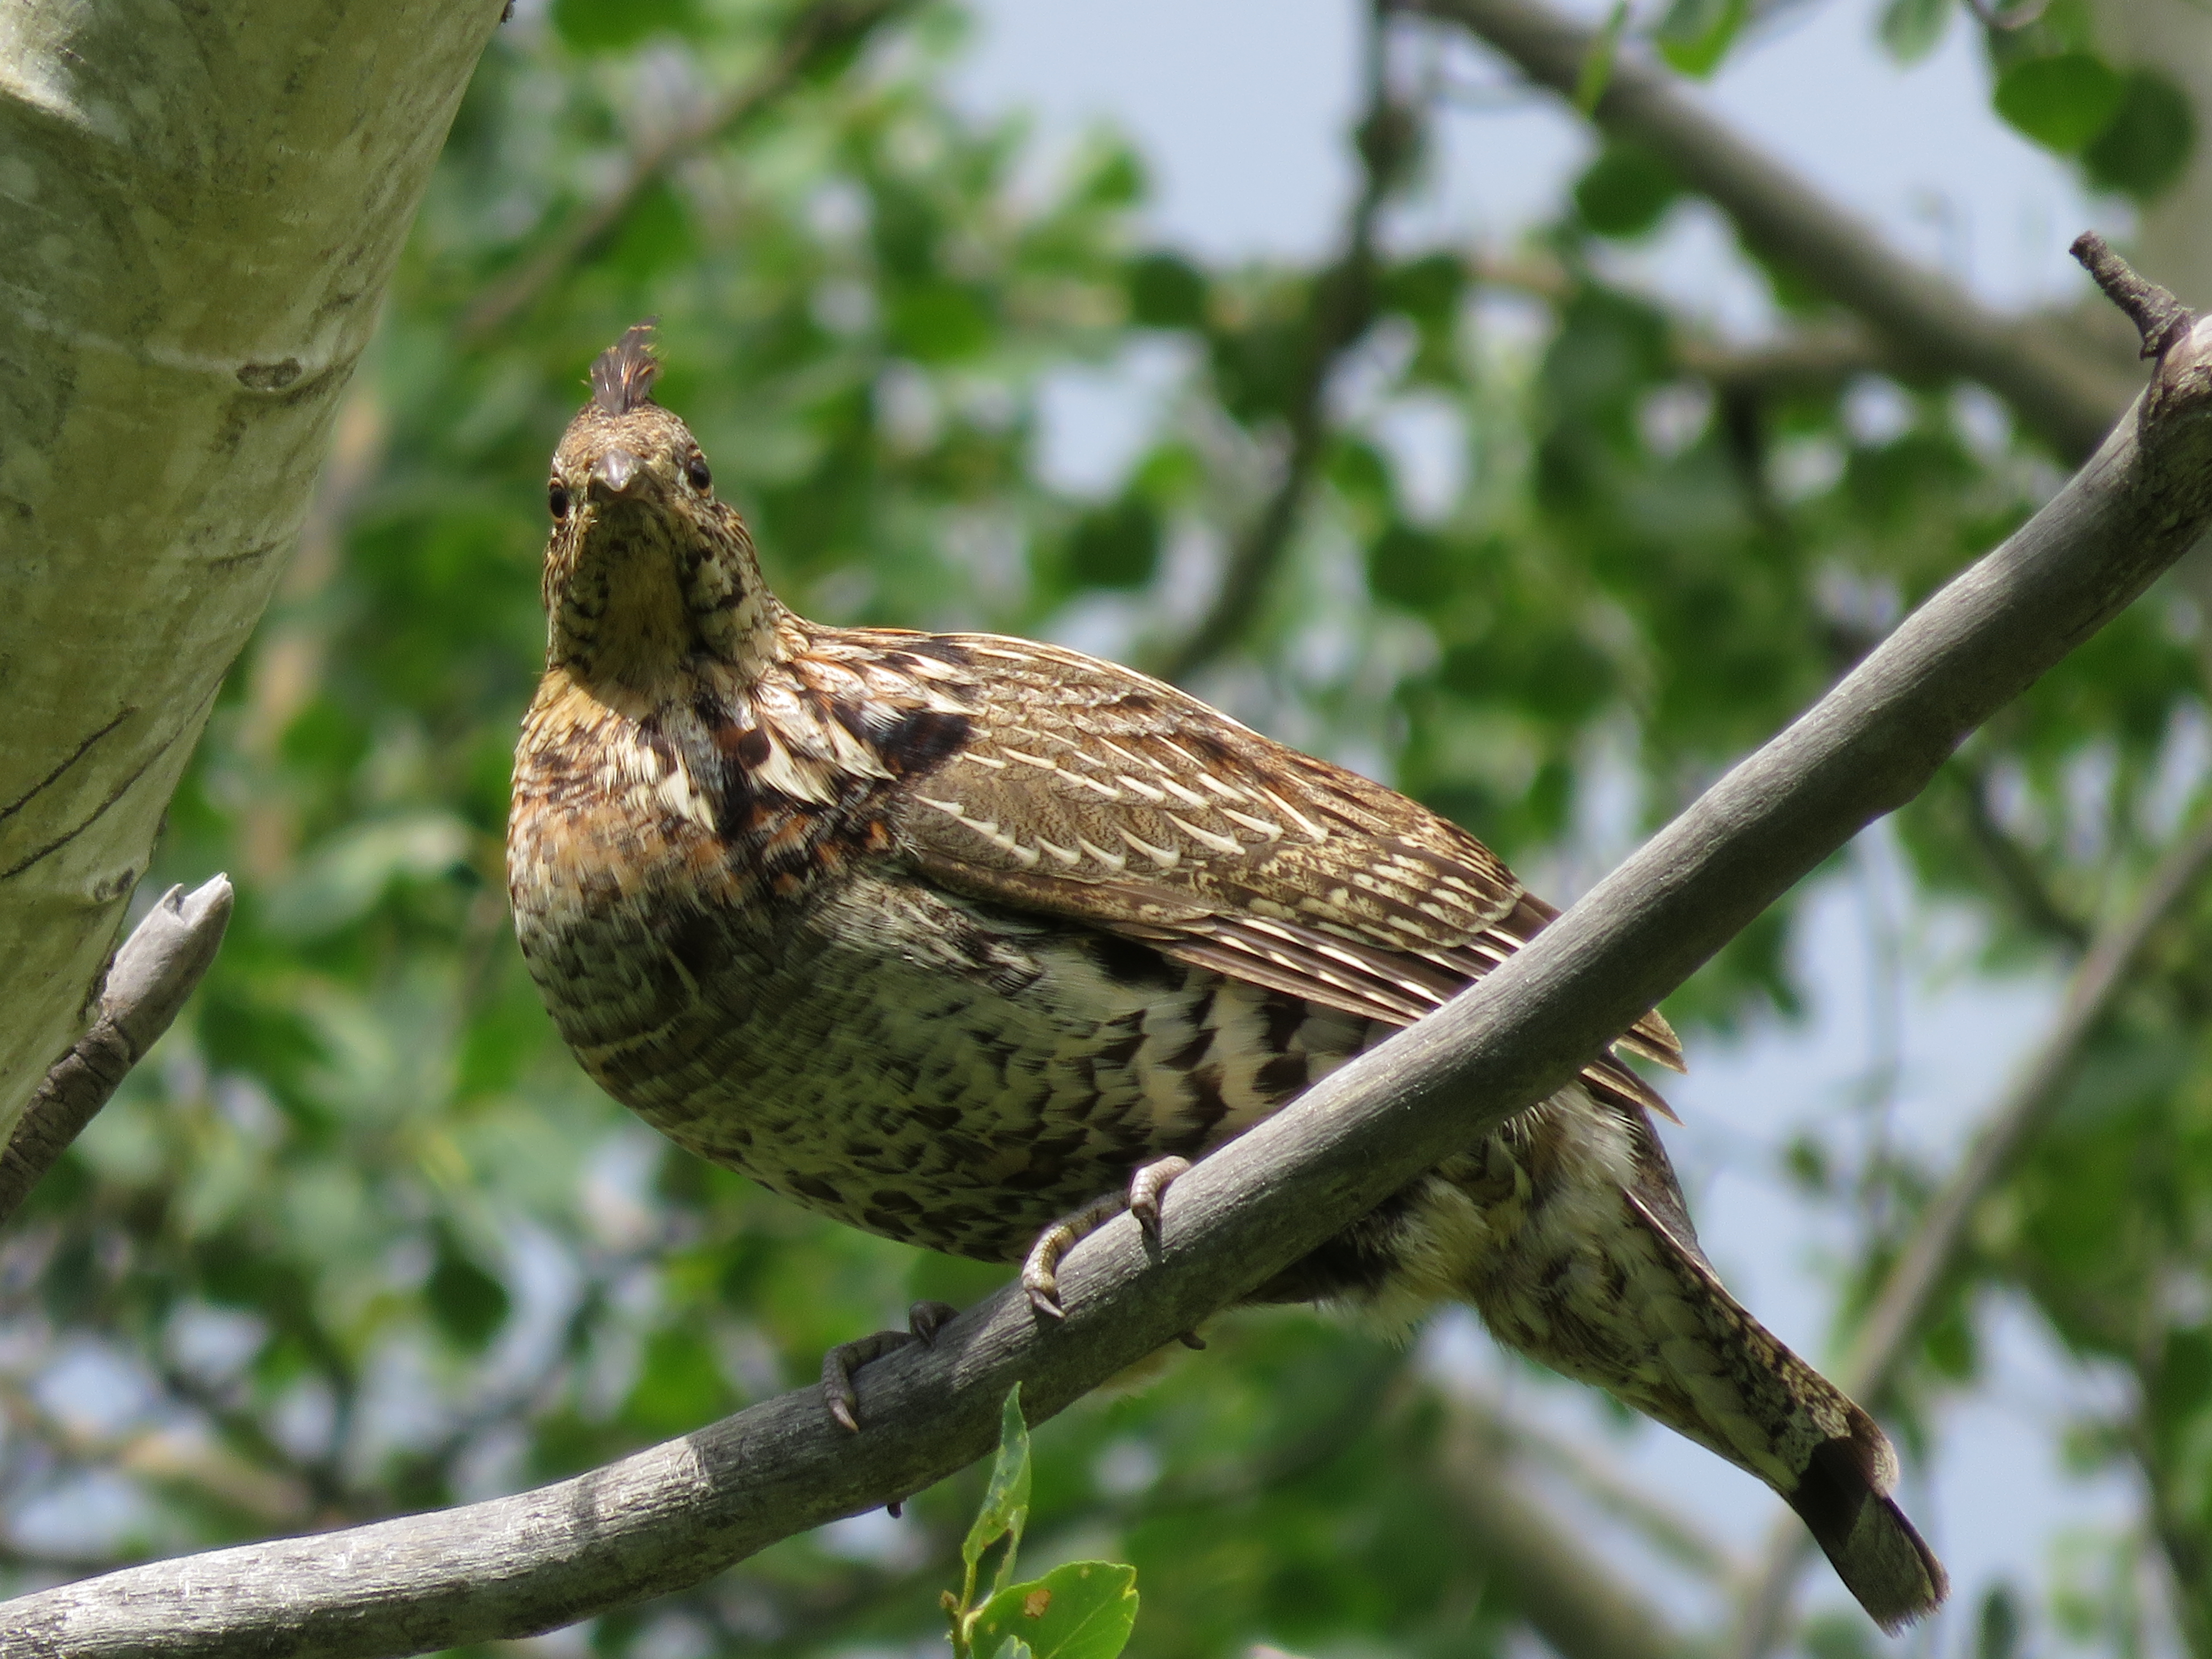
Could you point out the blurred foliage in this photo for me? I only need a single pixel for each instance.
(361, 1239)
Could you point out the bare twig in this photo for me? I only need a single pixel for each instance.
(152, 975)
(2054, 387)
(1932, 1253)
(818, 32)
(675, 1513)
(1343, 309)
(2159, 317)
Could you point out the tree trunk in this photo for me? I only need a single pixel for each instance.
(200, 207)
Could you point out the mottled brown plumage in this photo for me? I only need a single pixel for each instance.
(948, 935)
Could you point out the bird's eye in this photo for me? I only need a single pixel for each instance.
(695, 470)
(556, 498)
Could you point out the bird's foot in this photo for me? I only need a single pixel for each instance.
(1041, 1270)
(1146, 1188)
(923, 1320)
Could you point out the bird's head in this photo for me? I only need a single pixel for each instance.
(646, 573)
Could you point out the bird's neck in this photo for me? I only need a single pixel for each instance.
(642, 622)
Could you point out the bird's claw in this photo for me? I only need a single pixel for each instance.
(923, 1322)
(1041, 1270)
(925, 1319)
(1147, 1187)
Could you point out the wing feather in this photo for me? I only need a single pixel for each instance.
(1090, 791)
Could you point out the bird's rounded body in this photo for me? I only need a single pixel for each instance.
(945, 936)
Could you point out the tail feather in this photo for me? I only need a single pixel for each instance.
(1876, 1551)
(1588, 1262)
(1827, 1458)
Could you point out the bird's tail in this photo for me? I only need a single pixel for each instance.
(1729, 1384)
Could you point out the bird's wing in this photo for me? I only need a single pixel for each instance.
(1092, 791)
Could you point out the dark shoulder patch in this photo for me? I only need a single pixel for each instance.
(869, 722)
(923, 741)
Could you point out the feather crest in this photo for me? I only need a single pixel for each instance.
(622, 375)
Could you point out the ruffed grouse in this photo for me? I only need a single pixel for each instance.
(948, 935)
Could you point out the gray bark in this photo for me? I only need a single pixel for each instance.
(676, 1513)
(200, 207)
(155, 970)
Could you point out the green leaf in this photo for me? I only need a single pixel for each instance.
(1625, 191)
(1427, 291)
(1911, 29)
(1083, 1610)
(468, 1303)
(349, 873)
(938, 322)
(679, 1383)
(2062, 102)
(1998, 1636)
(610, 25)
(1696, 34)
(1006, 1500)
(1596, 72)
(1412, 567)
(2145, 146)
(1117, 545)
(1166, 292)
(654, 235)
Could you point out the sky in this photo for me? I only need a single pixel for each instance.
(1240, 108)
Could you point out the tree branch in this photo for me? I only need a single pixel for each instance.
(2056, 387)
(155, 970)
(817, 33)
(675, 1513)
(1937, 1242)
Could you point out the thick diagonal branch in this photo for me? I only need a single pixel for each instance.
(153, 973)
(671, 1514)
(2056, 387)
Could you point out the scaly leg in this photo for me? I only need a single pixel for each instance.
(1041, 1271)
(923, 1320)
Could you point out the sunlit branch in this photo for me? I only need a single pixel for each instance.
(1932, 1253)
(676, 1513)
(153, 973)
(819, 33)
(2055, 385)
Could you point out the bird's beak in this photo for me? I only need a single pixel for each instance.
(614, 472)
